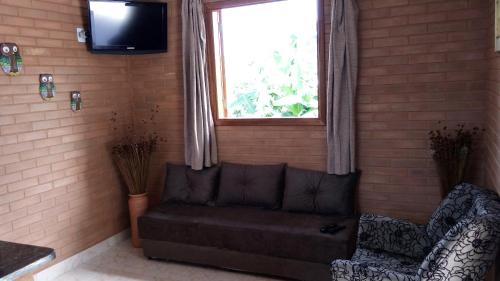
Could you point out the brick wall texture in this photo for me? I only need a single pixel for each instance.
(421, 61)
(58, 187)
(493, 112)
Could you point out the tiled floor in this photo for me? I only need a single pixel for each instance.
(124, 263)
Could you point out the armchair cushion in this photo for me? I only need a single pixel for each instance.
(344, 270)
(382, 233)
(388, 261)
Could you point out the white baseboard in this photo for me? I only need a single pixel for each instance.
(70, 263)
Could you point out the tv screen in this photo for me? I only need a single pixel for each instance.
(127, 27)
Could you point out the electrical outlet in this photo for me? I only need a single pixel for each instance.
(81, 35)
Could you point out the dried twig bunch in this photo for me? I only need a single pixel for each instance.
(451, 152)
(132, 154)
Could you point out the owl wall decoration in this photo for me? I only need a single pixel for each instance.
(47, 87)
(10, 59)
(76, 101)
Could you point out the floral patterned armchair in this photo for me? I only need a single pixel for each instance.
(459, 242)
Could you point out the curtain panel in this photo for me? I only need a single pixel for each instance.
(199, 130)
(341, 87)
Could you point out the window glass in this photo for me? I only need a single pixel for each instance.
(266, 60)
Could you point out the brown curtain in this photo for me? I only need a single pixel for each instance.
(199, 131)
(341, 89)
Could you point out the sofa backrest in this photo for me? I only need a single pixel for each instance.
(451, 210)
(466, 252)
(486, 202)
(468, 248)
(265, 186)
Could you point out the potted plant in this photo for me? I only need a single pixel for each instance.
(451, 153)
(132, 156)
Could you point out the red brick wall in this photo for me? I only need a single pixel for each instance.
(421, 61)
(57, 183)
(493, 113)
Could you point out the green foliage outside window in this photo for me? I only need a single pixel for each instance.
(283, 84)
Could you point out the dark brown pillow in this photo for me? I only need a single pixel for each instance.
(251, 185)
(175, 183)
(182, 184)
(202, 185)
(318, 192)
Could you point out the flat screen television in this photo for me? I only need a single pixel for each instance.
(127, 27)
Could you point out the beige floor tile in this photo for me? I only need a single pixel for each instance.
(124, 263)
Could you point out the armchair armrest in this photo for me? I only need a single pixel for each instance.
(344, 270)
(391, 235)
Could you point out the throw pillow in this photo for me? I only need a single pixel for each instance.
(251, 185)
(182, 184)
(318, 192)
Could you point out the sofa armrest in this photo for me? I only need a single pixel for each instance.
(395, 236)
(344, 270)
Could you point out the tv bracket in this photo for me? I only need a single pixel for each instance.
(81, 34)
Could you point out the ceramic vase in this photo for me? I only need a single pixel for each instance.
(137, 205)
(452, 171)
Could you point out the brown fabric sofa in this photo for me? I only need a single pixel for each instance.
(263, 219)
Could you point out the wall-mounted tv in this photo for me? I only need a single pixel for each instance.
(127, 27)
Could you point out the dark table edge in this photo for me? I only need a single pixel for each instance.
(29, 268)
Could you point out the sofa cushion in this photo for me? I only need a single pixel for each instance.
(183, 184)
(251, 185)
(251, 230)
(318, 192)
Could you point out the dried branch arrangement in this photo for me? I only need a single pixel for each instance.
(451, 152)
(132, 154)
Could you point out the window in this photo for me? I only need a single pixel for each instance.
(265, 61)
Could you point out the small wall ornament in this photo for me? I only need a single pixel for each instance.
(76, 101)
(47, 87)
(10, 59)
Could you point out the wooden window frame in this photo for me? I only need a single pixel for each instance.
(209, 7)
